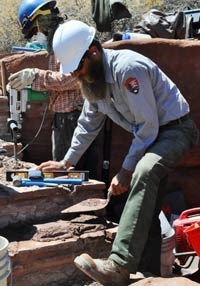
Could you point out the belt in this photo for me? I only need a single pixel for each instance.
(176, 121)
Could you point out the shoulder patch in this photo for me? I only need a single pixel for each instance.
(132, 85)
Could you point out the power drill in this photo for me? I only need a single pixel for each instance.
(19, 102)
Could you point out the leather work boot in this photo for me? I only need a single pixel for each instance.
(106, 272)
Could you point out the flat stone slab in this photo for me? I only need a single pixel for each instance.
(43, 254)
(33, 204)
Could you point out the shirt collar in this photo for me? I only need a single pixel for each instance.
(106, 62)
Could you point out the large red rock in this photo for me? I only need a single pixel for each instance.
(14, 62)
(176, 281)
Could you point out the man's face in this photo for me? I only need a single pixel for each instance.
(43, 24)
(92, 77)
(47, 25)
(40, 24)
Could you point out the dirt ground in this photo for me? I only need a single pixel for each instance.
(191, 277)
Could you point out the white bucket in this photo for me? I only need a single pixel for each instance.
(168, 245)
(165, 225)
(5, 268)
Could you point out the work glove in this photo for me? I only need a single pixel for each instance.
(21, 79)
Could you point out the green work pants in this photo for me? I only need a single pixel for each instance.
(142, 208)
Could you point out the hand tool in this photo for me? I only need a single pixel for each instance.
(35, 178)
(31, 174)
(28, 183)
(92, 204)
(17, 182)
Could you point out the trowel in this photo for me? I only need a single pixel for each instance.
(92, 204)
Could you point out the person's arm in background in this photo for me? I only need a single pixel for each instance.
(42, 80)
(53, 81)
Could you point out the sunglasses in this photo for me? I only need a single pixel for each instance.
(82, 61)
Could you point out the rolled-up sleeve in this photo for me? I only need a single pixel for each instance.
(54, 81)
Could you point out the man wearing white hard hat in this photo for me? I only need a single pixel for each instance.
(133, 91)
(40, 19)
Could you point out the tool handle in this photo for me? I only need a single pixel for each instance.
(109, 194)
(25, 183)
(64, 181)
(190, 212)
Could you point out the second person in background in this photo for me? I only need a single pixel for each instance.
(41, 18)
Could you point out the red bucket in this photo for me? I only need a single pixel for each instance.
(193, 235)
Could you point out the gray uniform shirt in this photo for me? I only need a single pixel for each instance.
(140, 98)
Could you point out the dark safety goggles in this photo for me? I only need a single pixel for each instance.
(86, 55)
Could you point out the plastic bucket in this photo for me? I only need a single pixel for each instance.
(167, 254)
(167, 247)
(166, 228)
(193, 235)
(5, 268)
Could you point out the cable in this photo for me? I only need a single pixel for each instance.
(36, 135)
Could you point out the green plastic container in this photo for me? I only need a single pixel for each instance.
(37, 95)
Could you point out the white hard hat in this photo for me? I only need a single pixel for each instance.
(70, 42)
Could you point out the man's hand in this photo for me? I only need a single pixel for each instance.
(53, 165)
(21, 79)
(121, 182)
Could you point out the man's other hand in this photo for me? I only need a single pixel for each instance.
(53, 165)
(121, 182)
